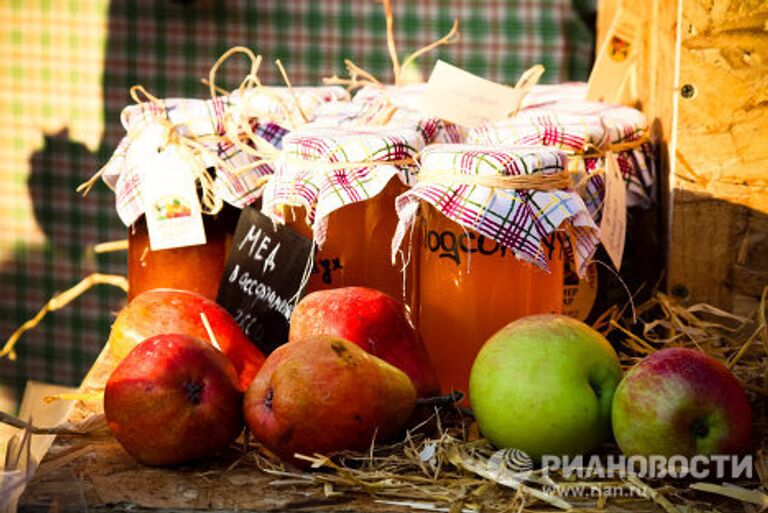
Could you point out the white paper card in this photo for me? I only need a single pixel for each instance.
(171, 205)
(613, 227)
(466, 99)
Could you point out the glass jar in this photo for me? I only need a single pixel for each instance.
(471, 286)
(340, 261)
(193, 268)
(492, 222)
(399, 280)
(348, 177)
(358, 247)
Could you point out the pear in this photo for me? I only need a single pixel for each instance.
(159, 311)
(326, 395)
(173, 399)
(374, 321)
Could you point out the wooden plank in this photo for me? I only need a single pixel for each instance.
(106, 478)
(22, 453)
(720, 182)
(702, 79)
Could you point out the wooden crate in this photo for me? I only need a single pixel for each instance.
(702, 77)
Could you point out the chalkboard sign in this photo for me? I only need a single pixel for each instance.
(262, 278)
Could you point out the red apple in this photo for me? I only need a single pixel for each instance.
(323, 395)
(173, 399)
(374, 321)
(158, 311)
(681, 401)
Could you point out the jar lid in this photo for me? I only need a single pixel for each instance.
(405, 102)
(571, 125)
(291, 108)
(466, 183)
(490, 160)
(405, 96)
(205, 123)
(353, 145)
(576, 125)
(326, 168)
(541, 94)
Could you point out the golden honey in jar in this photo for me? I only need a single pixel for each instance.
(491, 252)
(196, 268)
(398, 278)
(339, 262)
(471, 286)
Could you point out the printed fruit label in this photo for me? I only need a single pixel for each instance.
(171, 207)
(168, 192)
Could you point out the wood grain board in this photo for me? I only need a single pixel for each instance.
(702, 78)
(101, 476)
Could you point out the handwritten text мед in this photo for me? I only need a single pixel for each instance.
(259, 245)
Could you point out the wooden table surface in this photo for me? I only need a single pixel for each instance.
(98, 475)
(95, 474)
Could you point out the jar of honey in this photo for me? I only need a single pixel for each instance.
(395, 107)
(338, 185)
(560, 116)
(234, 177)
(491, 244)
(195, 268)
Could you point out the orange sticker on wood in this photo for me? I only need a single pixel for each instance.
(615, 58)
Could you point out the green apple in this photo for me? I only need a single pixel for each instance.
(681, 401)
(544, 385)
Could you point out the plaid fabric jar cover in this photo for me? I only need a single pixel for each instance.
(517, 218)
(388, 105)
(206, 121)
(578, 126)
(323, 169)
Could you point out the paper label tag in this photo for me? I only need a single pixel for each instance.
(616, 56)
(466, 99)
(262, 278)
(613, 227)
(171, 206)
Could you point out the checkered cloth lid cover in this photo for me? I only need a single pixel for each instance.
(204, 121)
(282, 105)
(541, 94)
(326, 168)
(372, 100)
(559, 119)
(520, 219)
(407, 99)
